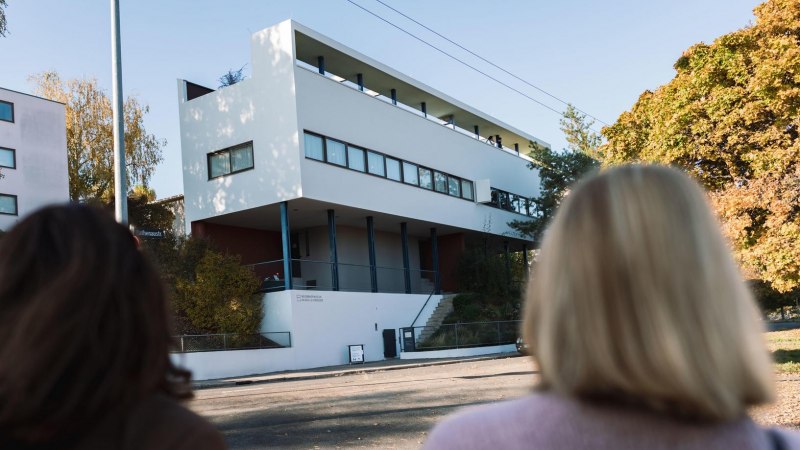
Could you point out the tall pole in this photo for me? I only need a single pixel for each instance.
(120, 179)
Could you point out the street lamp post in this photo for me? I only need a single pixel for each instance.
(120, 178)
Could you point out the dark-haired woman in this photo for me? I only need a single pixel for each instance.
(84, 341)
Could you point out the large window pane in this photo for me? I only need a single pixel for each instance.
(453, 186)
(8, 204)
(242, 158)
(392, 169)
(6, 111)
(440, 181)
(314, 148)
(375, 163)
(425, 178)
(466, 190)
(495, 197)
(219, 164)
(336, 152)
(355, 158)
(7, 158)
(410, 174)
(505, 202)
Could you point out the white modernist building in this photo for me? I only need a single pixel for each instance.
(351, 188)
(33, 155)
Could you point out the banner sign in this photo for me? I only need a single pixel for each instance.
(356, 353)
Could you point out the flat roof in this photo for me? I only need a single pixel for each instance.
(31, 95)
(348, 63)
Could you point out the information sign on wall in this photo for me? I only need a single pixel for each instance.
(356, 353)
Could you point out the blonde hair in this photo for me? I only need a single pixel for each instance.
(635, 298)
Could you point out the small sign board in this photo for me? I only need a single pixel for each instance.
(356, 353)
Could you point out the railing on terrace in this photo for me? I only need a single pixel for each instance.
(371, 93)
(188, 343)
(318, 275)
(461, 335)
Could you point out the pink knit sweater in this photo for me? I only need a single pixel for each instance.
(548, 421)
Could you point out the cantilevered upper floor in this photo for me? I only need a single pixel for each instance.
(321, 121)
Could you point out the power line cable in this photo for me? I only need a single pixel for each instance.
(488, 61)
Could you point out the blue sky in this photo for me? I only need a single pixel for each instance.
(598, 55)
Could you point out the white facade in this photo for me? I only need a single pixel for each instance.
(38, 140)
(286, 99)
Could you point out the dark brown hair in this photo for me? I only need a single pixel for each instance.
(84, 326)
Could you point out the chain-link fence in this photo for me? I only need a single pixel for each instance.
(215, 342)
(461, 335)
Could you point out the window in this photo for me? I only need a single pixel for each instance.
(410, 174)
(335, 152)
(466, 190)
(440, 182)
(8, 158)
(314, 147)
(425, 178)
(231, 160)
(355, 158)
(375, 164)
(6, 111)
(8, 204)
(504, 201)
(392, 169)
(453, 186)
(495, 198)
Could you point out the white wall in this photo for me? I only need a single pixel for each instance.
(459, 352)
(335, 110)
(234, 363)
(38, 134)
(261, 109)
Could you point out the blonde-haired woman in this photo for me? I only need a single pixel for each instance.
(644, 332)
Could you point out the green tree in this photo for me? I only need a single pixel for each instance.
(3, 22)
(232, 77)
(559, 170)
(90, 143)
(731, 118)
(143, 213)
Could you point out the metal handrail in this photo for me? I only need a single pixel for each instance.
(423, 307)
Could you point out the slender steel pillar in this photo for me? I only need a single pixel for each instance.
(424, 108)
(508, 260)
(525, 257)
(394, 96)
(286, 240)
(499, 141)
(360, 80)
(118, 121)
(321, 64)
(373, 269)
(334, 255)
(516, 147)
(477, 132)
(437, 280)
(406, 263)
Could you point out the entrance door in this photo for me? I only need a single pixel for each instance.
(389, 344)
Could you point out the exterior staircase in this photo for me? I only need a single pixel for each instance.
(444, 308)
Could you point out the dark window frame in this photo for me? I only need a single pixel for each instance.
(16, 205)
(12, 111)
(323, 146)
(229, 150)
(13, 156)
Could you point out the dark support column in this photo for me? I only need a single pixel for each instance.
(508, 261)
(525, 257)
(373, 270)
(437, 280)
(394, 96)
(360, 79)
(334, 255)
(406, 263)
(321, 64)
(286, 240)
(498, 140)
(516, 147)
(424, 108)
(477, 132)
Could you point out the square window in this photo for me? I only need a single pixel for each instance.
(410, 173)
(335, 152)
(440, 182)
(313, 147)
(392, 169)
(466, 190)
(355, 158)
(8, 158)
(242, 157)
(375, 163)
(453, 186)
(8, 204)
(219, 164)
(6, 111)
(425, 178)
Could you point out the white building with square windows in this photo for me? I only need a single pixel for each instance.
(352, 189)
(33, 155)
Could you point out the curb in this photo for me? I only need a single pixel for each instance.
(213, 384)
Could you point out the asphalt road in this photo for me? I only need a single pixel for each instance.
(388, 410)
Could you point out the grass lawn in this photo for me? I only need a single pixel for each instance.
(785, 348)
